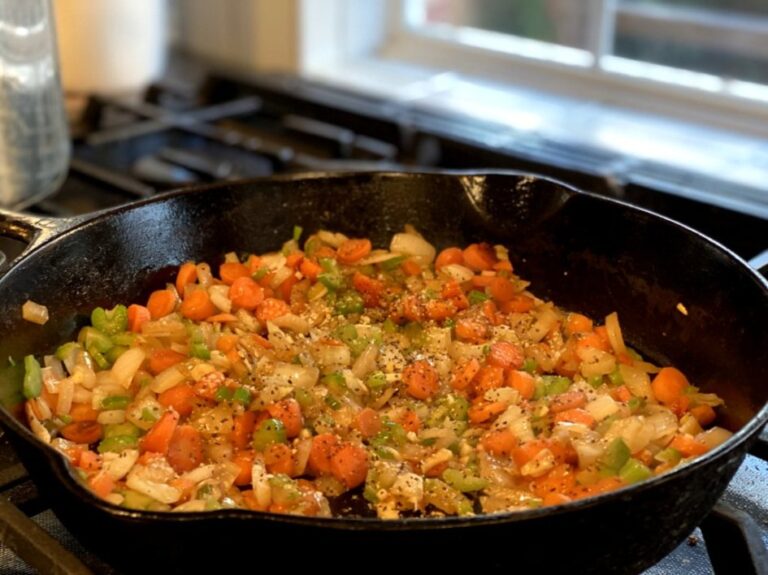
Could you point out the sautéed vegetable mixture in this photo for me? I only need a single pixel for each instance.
(429, 383)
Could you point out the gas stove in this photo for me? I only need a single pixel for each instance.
(211, 126)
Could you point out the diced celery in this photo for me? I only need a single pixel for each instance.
(118, 443)
(269, 432)
(305, 398)
(464, 482)
(529, 365)
(33, 377)
(670, 455)
(242, 395)
(115, 402)
(616, 377)
(66, 349)
(614, 457)
(121, 429)
(348, 303)
(476, 297)
(376, 380)
(633, 471)
(392, 263)
(111, 321)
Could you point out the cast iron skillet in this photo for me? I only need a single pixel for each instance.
(585, 252)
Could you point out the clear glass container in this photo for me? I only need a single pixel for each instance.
(34, 139)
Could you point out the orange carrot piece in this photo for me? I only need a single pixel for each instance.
(482, 281)
(325, 252)
(491, 312)
(271, 308)
(594, 340)
(353, 250)
(227, 342)
(501, 289)
(523, 382)
(244, 461)
(577, 323)
(704, 414)
(185, 450)
(410, 421)
(289, 412)
(180, 397)
(575, 415)
(101, 484)
(567, 400)
(505, 354)
(279, 459)
(500, 442)
(471, 331)
(207, 386)
(163, 358)
(222, 318)
(137, 315)
(349, 464)
(160, 303)
(486, 411)
(310, 269)
(243, 429)
(421, 380)
(197, 305)
(158, 438)
(323, 446)
(368, 422)
(559, 480)
(439, 310)
(82, 431)
(370, 288)
(520, 303)
(669, 384)
(688, 445)
(449, 256)
(464, 373)
(186, 275)
(621, 393)
(89, 460)
(410, 268)
(83, 412)
(479, 257)
(526, 451)
(230, 271)
(294, 259)
(503, 266)
(254, 263)
(489, 377)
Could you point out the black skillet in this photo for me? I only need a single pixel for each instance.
(585, 252)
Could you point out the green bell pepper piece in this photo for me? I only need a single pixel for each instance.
(270, 431)
(348, 303)
(33, 377)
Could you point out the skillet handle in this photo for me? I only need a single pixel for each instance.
(29, 229)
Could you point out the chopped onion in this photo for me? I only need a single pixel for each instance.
(637, 381)
(34, 312)
(294, 375)
(281, 274)
(220, 297)
(167, 379)
(127, 365)
(111, 416)
(204, 275)
(415, 246)
(714, 436)
(366, 361)
(457, 272)
(66, 393)
(587, 451)
(334, 239)
(292, 322)
(303, 448)
(117, 465)
(546, 318)
(332, 357)
(636, 432)
(614, 333)
(438, 339)
(595, 361)
(664, 424)
(602, 407)
(35, 425)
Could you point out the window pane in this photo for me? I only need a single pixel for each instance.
(726, 38)
(562, 22)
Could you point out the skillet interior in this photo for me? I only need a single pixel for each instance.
(586, 253)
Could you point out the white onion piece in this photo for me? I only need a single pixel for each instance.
(636, 432)
(294, 375)
(281, 274)
(595, 361)
(664, 424)
(220, 297)
(273, 261)
(334, 239)
(117, 465)
(144, 413)
(167, 379)
(457, 272)
(332, 357)
(460, 350)
(376, 257)
(614, 333)
(415, 246)
(292, 322)
(127, 365)
(438, 339)
(303, 448)
(714, 436)
(637, 381)
(546, 318)
(587, 451)
(602, 407)
(366, 361)
(35, 425)
(111, 416)
(66, 393)
(34, 312)
(260, 481)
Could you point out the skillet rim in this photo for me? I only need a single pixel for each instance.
(65, 473)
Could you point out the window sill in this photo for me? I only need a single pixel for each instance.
(707, 164)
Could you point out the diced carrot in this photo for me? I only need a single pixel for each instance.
(602, 332)
(325, 252)
(439, 310)
(208, 385)
(621, 393)
(449, 256)
(82, 432)
(279, 459)
(688, 445)
(230, 271)
(645, 456)
(185, 450)
(592, 339)
(260, 340)
(501, 442)
(222, 318)
(289, 412)
(197, 305)
(271, 308)
(180, 397)
(484, 411)
(368, 422)
(186, 275)
(704, 414)
(227, 342)
(520, 303)
(559, 480)
(244, 461)
(83, 412)
(421, 379)
(489, 377)
(602, 485)
(479, 257)
(482, 281)
(567, 400)
(160, 303)
(436, 470)
(137, 316)
(577, 323)
(575, 415)
(523, 382)
(349, 464)
(285, 288)
(353, 250)
(550, 498)
(464, 373)
(680, 405)
(101, 484)
(323, 446)
(251, 501)
(245, 293)
(669, 384)
(370, 288)
(162, 358)
(505, 354)
(451, 289)
(491, 312)
(471, 331)
(158, 438)
(89, 460)
(310, 269)
(501, 289)
(410, 268)
(254, 263)
(503, 266)
(410, 421)
(526, 451)
(413, 309)
(243, 429)
(294, 259)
